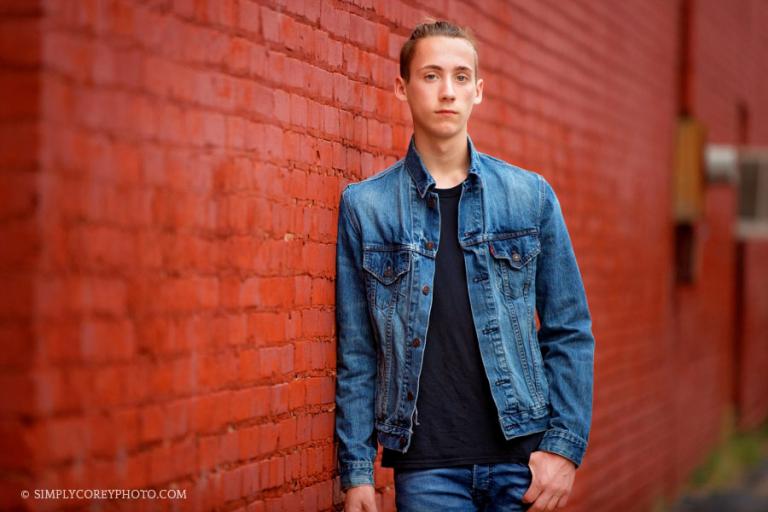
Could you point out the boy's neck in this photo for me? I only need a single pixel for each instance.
(447, 160)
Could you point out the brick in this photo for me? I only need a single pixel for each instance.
(334, 20)
(160, 463)
(248, 442)
(208, 452)
(296, 394)
(322, 426)
(242, 405)
(152, 421)
(276, 361)
(20, 41)
(107, 341)
(228, 447)
(320, 390)
(272, 473)
(279, 399)
(287, 433)
(233, 484)
(268, 437)
(249, 16)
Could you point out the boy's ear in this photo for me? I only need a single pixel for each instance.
(400, 89)
(479, 96)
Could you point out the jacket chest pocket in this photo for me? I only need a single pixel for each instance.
(386, 271)
(515, 262)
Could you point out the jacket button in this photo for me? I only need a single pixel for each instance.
(416, 342)
(490, 248)
(430, 245)
(515, 256)
(431, 202)
(403, 442)
(388, 271)
(425, 290)
(410, 396)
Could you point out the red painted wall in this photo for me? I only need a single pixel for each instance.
(173, 173)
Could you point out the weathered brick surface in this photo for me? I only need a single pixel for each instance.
(171, 173)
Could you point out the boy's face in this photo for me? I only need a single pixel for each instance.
(443, 87)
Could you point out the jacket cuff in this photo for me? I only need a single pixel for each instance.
(356, 473)
(564, 443)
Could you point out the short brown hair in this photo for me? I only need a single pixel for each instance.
(432, 28)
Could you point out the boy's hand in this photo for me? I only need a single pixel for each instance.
(360, 499)
(551, 482)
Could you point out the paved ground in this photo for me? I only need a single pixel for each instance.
(749, 495)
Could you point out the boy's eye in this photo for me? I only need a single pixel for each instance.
(460, 78)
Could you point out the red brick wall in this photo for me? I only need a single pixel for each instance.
(752, 353)
(175, 173)
(729, 46)
(20, 241)
(726, 47)
(700, 384)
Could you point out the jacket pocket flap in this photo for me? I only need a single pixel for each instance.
(387, 266)
(518, 250)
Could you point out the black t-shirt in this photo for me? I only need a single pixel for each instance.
(457, 421)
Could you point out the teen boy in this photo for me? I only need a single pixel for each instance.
(442, 260)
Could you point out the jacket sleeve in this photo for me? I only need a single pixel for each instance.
(355, 357)
(565, 334)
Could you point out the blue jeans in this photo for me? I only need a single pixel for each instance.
(478, 487)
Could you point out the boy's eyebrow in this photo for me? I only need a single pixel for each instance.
(457, 68)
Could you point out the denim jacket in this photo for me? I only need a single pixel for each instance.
(519, 261)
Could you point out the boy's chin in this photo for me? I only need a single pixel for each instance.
(442, 130)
